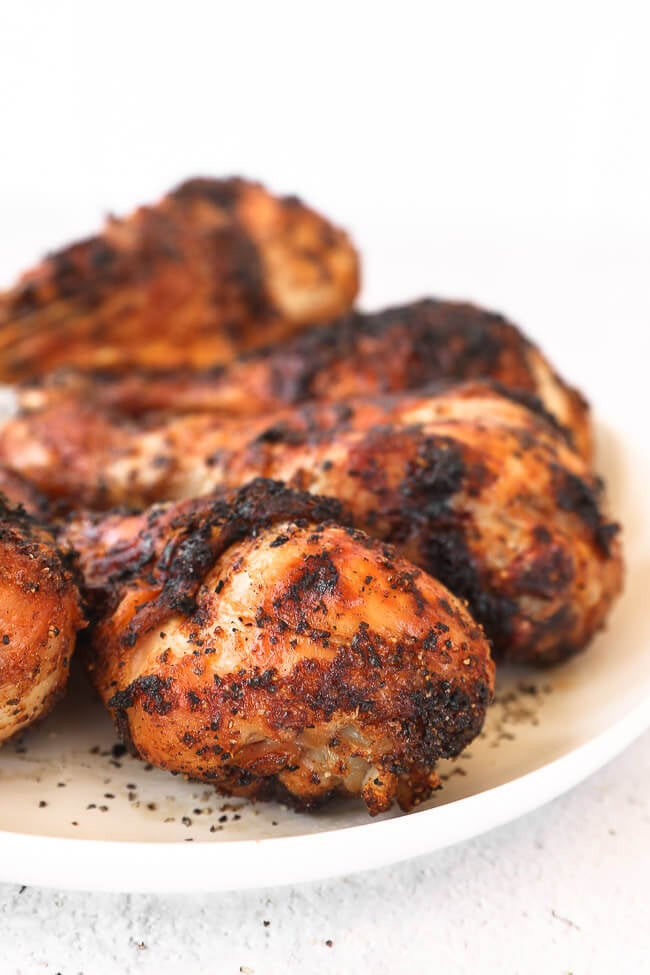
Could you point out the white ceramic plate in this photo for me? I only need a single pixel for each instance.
(75, 813)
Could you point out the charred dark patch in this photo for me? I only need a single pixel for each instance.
(582, 499)
(319, 578)
(283, 433)
(278, 541)
(541, 534)
(150, 688)
(433, 477)
(447, 557)
(264, 680)
(362, 643)
(101, 256)
(546, 573)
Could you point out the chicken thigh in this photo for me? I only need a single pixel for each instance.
(40, 616)
(256, 644)
(215, 268)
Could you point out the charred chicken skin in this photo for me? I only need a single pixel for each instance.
(39, 619)
(215, 268)
(475, 488)
(403, 348)
(255, 644)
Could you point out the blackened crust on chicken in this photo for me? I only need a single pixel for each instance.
(215, 268)
(409, 347)
(270, 652)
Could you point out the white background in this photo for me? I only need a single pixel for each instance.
(495, 151)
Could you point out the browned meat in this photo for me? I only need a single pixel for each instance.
(18, 491)
(475, 488)
(399, 349)
(215, 268)
(39, 619)
(257, 645)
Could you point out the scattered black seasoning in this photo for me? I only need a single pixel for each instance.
(266, 923)
(103, 808)
(42, 804)
(5, 639)
(280, 540)
(118, 750)
(148, 767)
(108, 795)
(215, 829)
(95, 750)
(223, 819)
(131, 796)
(445, 776)
(152, 806)
(74, 823)
(60, 785)
(329, 942)
(186, 821)
(131, 785)
(91, 805)
(236, 816)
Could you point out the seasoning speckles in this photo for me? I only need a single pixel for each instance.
(85, 795)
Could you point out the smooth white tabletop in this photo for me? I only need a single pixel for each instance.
(563, 890)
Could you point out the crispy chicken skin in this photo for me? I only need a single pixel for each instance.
(403, 348)
(215, 268)
(478, 490)
(255, 644)
(39, 618)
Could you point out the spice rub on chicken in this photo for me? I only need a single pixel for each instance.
(256, 644)
(403, 348)
(472, 486)
(215, 268)
(39, 618)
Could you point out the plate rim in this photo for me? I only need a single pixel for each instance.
(176, 866)
(203, 867)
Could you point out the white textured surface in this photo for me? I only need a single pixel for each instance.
(563, 890)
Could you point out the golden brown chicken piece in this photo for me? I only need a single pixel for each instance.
(251, 644)
(404, 348)
(478, 490)
(215, 268)
(39, 618)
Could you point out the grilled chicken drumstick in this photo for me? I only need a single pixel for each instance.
(255, 644)
(403, 348)
(216, 267)
(39, 619)
(476, 489)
